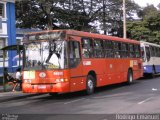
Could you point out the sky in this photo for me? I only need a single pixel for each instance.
(143, 3)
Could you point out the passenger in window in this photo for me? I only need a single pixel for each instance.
(85, 53)
(117, 55)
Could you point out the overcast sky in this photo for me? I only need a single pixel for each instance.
(143, 3)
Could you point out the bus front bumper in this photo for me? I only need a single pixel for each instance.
(45, 88)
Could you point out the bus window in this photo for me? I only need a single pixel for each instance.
(143, 53)
(131, 50)
(120, 50)
(152, 51)
(98, 49)
(156, 51)
(139, 48)
(124, 50)
(116, 50)
(127, 50)
(159, 52)
(74, 53)
(137, 51)
(87, 48)
(148, 55)
(109, 49)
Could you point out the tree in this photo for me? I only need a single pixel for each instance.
(85, 15)
(79, 15)
(36, 14)
(114, 16)
(148, 29)
(51, 14)
(146, 11)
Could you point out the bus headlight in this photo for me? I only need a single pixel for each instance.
(144, 68)
(61, 80)
(27, 81)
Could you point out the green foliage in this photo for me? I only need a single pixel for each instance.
(36, 14)
(85, 14)
(74, 14)
(113, 19)
(148, 29)
(53, 14)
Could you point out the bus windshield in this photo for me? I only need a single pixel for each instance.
(143, 53)
(148, 55)
(45, 55)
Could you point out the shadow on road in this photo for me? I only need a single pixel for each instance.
(149, 77)
(106, 90)
(81, 94)
(10, 98)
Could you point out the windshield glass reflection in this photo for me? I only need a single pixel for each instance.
(45, 55)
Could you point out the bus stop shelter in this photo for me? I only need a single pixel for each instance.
(18, 49)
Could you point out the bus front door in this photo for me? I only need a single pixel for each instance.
(75, 65)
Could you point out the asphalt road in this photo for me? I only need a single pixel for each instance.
(143, 96)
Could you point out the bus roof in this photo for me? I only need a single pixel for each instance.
(87, 34)
(148, 43)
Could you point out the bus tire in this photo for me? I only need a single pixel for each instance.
(90, 85)
(130, 77)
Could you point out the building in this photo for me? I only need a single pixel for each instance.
(7, 33)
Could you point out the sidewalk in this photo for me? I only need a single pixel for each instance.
(8, 90)
(6, 96)
(9, 96)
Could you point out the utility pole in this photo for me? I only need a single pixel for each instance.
(124, 19)
(104, 17)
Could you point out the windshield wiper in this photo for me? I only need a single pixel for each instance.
(51, 52)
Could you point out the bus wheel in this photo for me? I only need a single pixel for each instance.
(90, 84)
(129, 77)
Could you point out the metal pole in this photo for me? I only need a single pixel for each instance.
(104, 17)
(124, 19)
(19, 54)
(4, 87)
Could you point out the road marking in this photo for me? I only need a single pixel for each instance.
(74, 101)
(109, 96)
(144, 101)
(154, 89)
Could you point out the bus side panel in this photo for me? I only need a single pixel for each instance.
(116, 70)
(148, 66)
(157, 68)
(157, 64)
(77, 79)
(137, 70)
(148, 69)
(77, 84)
(120, 70)
(96, 65)
(109, 71)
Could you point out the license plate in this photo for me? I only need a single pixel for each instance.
(42, 87)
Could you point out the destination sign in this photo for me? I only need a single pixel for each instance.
(46, 36)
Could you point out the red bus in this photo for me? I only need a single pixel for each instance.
(59, 61)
